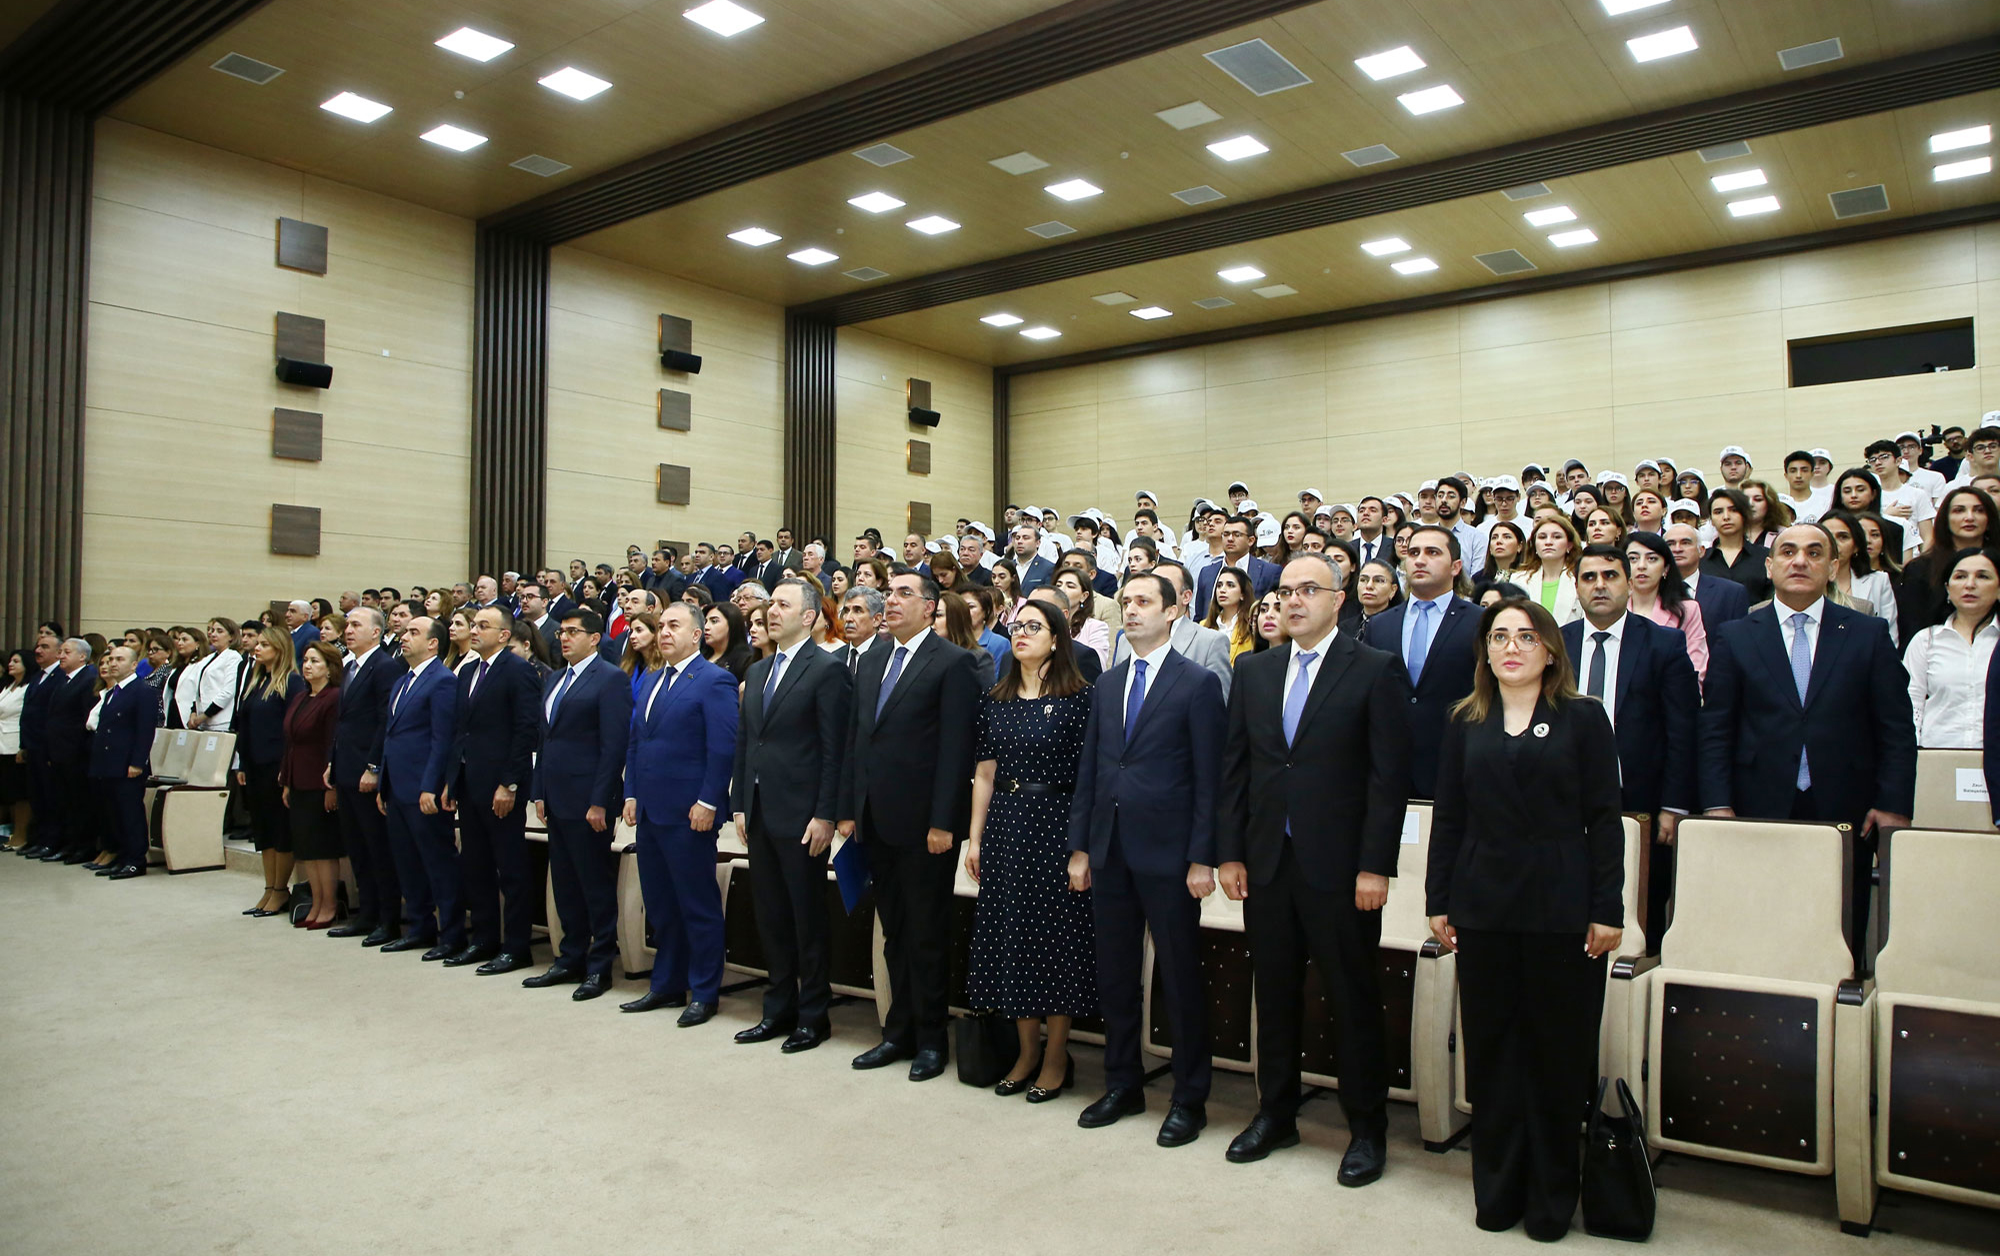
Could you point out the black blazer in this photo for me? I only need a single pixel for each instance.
(1855, 726)
(35, 711)
(1529, 842)
(260, 722)
(496, 730)
(791, 755)
(67, 741)
(1658, 701)
(364, 701)
(1344, 782)
(1159, 789)
(1447, 678)
(124, 736)
(912, 770)
(1722, 601)
(1747, 570)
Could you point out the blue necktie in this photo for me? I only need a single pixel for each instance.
(402, 691)
(1295, 700)
(889, 681)
(1802, 677)
(562, 687)
(1420, 640)
(771, 685)
(1137, 697)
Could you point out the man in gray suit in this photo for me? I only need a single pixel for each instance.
(1204, 647)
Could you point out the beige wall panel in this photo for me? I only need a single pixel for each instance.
(872, 483)
(1890, 309)
(1176, 478)
(144, 260)
(1386, 462)
(1934, 259)
(1986, 343)
(1137, 426)
(1064, 487)
(144, 363)
(1267, 357)
(1684, 296)
(151, 170)
(390, 402)
(602, 515)
(1261, 412)
(1048, 454)
(1845, 417)
(1176, 371)
(213, 564)
(602, 359)
(1544, 316)
(1399, 338)
(1540, 377)
(1694, 430)
(622, 293)
(1500, 446)
(1052, 390)
(370, 228)
(368, 491)
(170, 469)
(379, 310)
(1705, 358)
(1391, 395)
(1274, 472)
(605, 436)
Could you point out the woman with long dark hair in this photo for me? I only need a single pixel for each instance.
(1291, 536)
(1660, 593)
(1376, 589)
(724, 640)
(1948, 661)
(1769, 514)
(1083, 627)
(310, 719)
(1966, 519)
(15, 798)
(1854, 582)
(1734, 556)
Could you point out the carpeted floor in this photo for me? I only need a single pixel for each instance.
(180, 1078)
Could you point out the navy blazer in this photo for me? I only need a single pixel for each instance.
(302, 636)
(66, 740)
(911, 770)
(259, 723)
(1447, 678)
(1038, 572)
(583, 748)
(683, 752)
(363, 702)
(1855, 725)
(720, 581)
(1722, 601)
(495, 729)
(417, 728)
(1158, 790)
(1263, 578)
(35, 712)
(124, 736)
(1655, 717)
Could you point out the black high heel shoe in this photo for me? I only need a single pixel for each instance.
(258, 910)
(1008, 1088)
(1038, 1094)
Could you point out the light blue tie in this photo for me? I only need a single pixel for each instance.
(771, 685)
(1420, 640)
(1135, 699)
(1295, 701)
(1802, 677)
(889, 681)
(562, 687)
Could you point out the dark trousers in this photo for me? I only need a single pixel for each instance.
(584, 875)
(364, 831)
(493, 874)
(684, 906)
(913, 896)
(788, 887)
(121, 818)
(1807, 805)
(1531, 1004)
(76, 811)
(1289, 921)
(1123, 904)
(427, 869)
(47, 803)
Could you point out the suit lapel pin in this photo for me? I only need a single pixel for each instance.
(1541, 730)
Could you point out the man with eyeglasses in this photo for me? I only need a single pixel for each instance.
(1982, 453)
(1435, 634)
(1315, 775)
(1238, 534)
(1902, 500)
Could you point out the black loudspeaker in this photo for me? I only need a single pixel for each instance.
(675, 360)
(311, 374)
(926, 418)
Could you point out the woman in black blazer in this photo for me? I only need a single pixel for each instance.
(1526, 882)
(260, 748)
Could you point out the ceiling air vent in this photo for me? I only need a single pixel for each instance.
(1258, 66)
(1810, 54)
(1018, 163)
(535, 163)
(1723, 152)
(865, 272)
(1526, 191)
(1372, 155)
(1197, 196)
(1051, 229)
(1505, 262)
(1855, 202)
(1215, 303)
(882, 154)
(249, 69)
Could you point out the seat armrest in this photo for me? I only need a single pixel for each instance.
(1432, 949)
(1631, 967)
(1854, 992)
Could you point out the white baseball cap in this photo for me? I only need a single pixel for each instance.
(1506, 484)
(1614, 477)
(1267, 532)
(1735, 451)
(1036, 511)
(1903, 436)
(1827, 455)
(1145, 494)
(1645, 463)
(1245, 506)
(981, 529)
(1428, 486)
(1311, 492)
(1236, 484)
(1682, 504)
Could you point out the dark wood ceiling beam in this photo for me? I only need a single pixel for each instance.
(1904, 81)
(88, 55)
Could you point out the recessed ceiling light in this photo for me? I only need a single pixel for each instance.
(1431, 99)
(1040, 333)
(1114, 298)
(1001, 320)
(1755, 205)
(1570, 239)
(1073, 189)
(359, 108)
(755, 237)
(1275, 290)
(1667, 43)
(722, 17)
(1970, 137)
(477, 45)
(1616, 7)
(1550, 217)
(932, 224)
(1193, 113)
(1018, 163)
(1752, 178)
(574, 83)
(452, 137)
(1240, 274)
(875, 202)
(1238, 148)
(1391, 63)
(813, 257)
(1386, 246)
(1414, 266)
(1150, 312)
(1961, 169)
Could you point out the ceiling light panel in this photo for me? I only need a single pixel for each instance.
(1073, 189)
(1194, 113)
(1414, 266)
(1811, 54)
(1724, 152)
(723, 17)
(1431, 99)
(472, 44)
(755, 237)
(1150, 312)
(1752, 178)
(1525, 191)
(1273, 291)
(1667, 43)
(1550, 217)
(1614, 8)
(1114, 298)
(875, 202)
(1018, 163)
(1238, 148)
(1386, 247)
(1040, 333)
(535, 163)
(1373, 155)
(1001, 320)
(1754, 205)
(1969, 137)
(456, 139)
(813, 257)
(932, 224)
(1570, 239)
(1961, 169)
(1197, 196)
(866, 273)
(1240, 274)
(359, 108)
(1215, 303)
(1391, 63)
(574, 83)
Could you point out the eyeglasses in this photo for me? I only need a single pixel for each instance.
(899, 592)
(1524, 639)
(1307, 591)
(1028, 628)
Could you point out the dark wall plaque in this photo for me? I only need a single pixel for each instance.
(919, 394)
(676, 410)
(920, 518)
(675, 483)
(300, 338)
(920, 457)
(676, 335)
(296, 434)
(301, 246)
(294, 529)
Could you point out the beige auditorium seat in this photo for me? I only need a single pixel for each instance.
(1754, 1009)
(628, 892)
(195, 776)
(1951, 791)
(1935, 1020)
(855, 963)
(1225, 963)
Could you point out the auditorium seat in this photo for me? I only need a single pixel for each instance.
(1941, 803)
(854, 950)
(1225, 962)
(191, 800)
(1755, 1011)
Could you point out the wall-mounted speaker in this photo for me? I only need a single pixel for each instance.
(926, 418)
(309, 374)
(677, 345)
(675, 360)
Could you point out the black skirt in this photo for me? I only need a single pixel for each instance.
(13, 783)
(270, 827)
(315, 830)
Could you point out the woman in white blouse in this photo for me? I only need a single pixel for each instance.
(14, 776)
(205, 694)
(1947, 663)
(1855, 583)
(1549, 577)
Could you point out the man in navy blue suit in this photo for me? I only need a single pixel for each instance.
(1237, 533)
(1435, 633)
(1025, 544)
(1722, 601)
(1641, 673)
(497, 725)
(44, 674)
(1807, 715)
(412, 749)
(720, 579)
(299, 623)
(586, 721)
(66, 742)
(1142, 839)
(121, 727)
(354, 774)
(677, 765)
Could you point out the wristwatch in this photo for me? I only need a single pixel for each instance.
(511, 788)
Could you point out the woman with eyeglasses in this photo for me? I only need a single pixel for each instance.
(1526, 883)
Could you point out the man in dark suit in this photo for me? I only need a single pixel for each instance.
(355, 775)
(536, 617)
(121, 725)
(1237, 534)
(908, 788)
(586, 723)
(720, 579)
(496, 727)
(299, 623)
(1807, 715)
(767, 570)
(45, 671)
(1036, 571)
(413, 749)
(1722, 601)
(1142, 838)
(1640, 671)
(1315, 784)
(1435, 633)
(663, 578)
(555, 593)
(787, 552)
(791, 745)
(67, 742)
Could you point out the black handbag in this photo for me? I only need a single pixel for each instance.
(1619, 1198)
(987, 1048)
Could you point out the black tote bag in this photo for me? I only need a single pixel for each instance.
(1618, 1194)
(987, 1048)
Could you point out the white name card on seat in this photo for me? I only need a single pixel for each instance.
(1971, 785)
(209, 746)
(1409, 828)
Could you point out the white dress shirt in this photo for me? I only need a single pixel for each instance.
(1385, 548)
(406, 682)
(1152, 662)
(1610, 648)
(1295, 664)
(12, 698)
(1948, 685)
(1814, 615)
(97, 711)
(549, 706)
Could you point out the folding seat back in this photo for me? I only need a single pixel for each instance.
(1225, 962)
(1951, 791)
(171, 761)
(209, 769)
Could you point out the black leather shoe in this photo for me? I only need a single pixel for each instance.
(929, 1063)
(359, 927)
(54, 855)
(883, 1054)
(1008, 1087)
(125, 872)
(698, 1013)
(653, 1000)
(593, 985)
(1264, 1135)
(1129, 1101)
(1042, 1094)
(504, 962)
(107, 869)
(443, 950)
(1183, 1125)
(408, 942)
(556, 975)
(470, 955)
(382, 936)
(32, 852)
(78, 857)
(806, 1037)
(1362, 1164)
(764, 1030)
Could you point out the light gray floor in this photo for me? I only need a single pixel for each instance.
(180, 1078)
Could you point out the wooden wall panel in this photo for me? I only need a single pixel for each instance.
(871, 377)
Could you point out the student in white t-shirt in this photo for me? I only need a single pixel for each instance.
(1902, 500)
(1807, 503)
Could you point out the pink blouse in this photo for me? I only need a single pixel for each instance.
(1697, 636)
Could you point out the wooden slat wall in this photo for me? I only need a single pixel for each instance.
(811, 440)
(510, 402)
